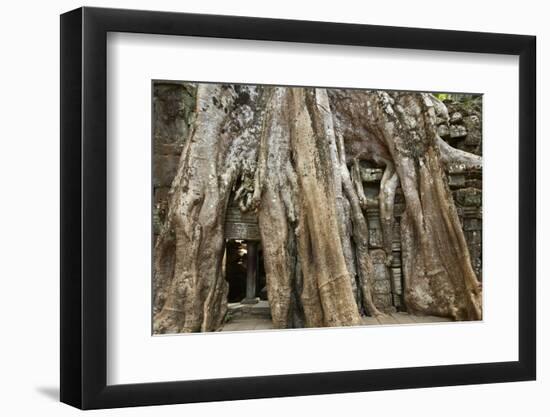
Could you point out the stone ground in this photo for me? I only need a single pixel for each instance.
(256, 317)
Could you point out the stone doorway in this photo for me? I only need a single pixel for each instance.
(247, 305)
(244, 271)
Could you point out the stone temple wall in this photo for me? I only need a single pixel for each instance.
(466, 121)
(464, 129)
(173, 114)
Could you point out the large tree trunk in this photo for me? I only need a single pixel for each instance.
(305, 264)
(286, 153)
(399, 129)
(190, 292)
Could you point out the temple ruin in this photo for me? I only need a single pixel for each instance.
(173, 117)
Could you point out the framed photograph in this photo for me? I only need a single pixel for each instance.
(257, 208)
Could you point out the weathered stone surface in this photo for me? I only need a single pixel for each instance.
(371, 174)
(455, 118)
(396, 299)
(376, 239)
(168, 148)
(174, 108)
(457, 181)
(468, 197)
(457, 131)
(471, 224)
(161, 194)
(473, 238)
(382, 281)
(382, 286)
(465, 122)
(239, 225)
(473, 126)
(384, 302)
(474, 183)
(173, 113)
(378, 258)
(396, 278)
(159, 208)
(164, 169)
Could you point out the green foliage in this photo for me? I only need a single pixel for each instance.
(441, 96)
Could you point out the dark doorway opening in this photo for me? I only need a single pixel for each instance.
(244, 272)
(235, 270)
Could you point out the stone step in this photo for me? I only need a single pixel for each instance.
(261, 308)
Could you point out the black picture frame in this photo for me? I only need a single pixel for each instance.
(84, 207)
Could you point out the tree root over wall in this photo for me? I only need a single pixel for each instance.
(292, 155)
